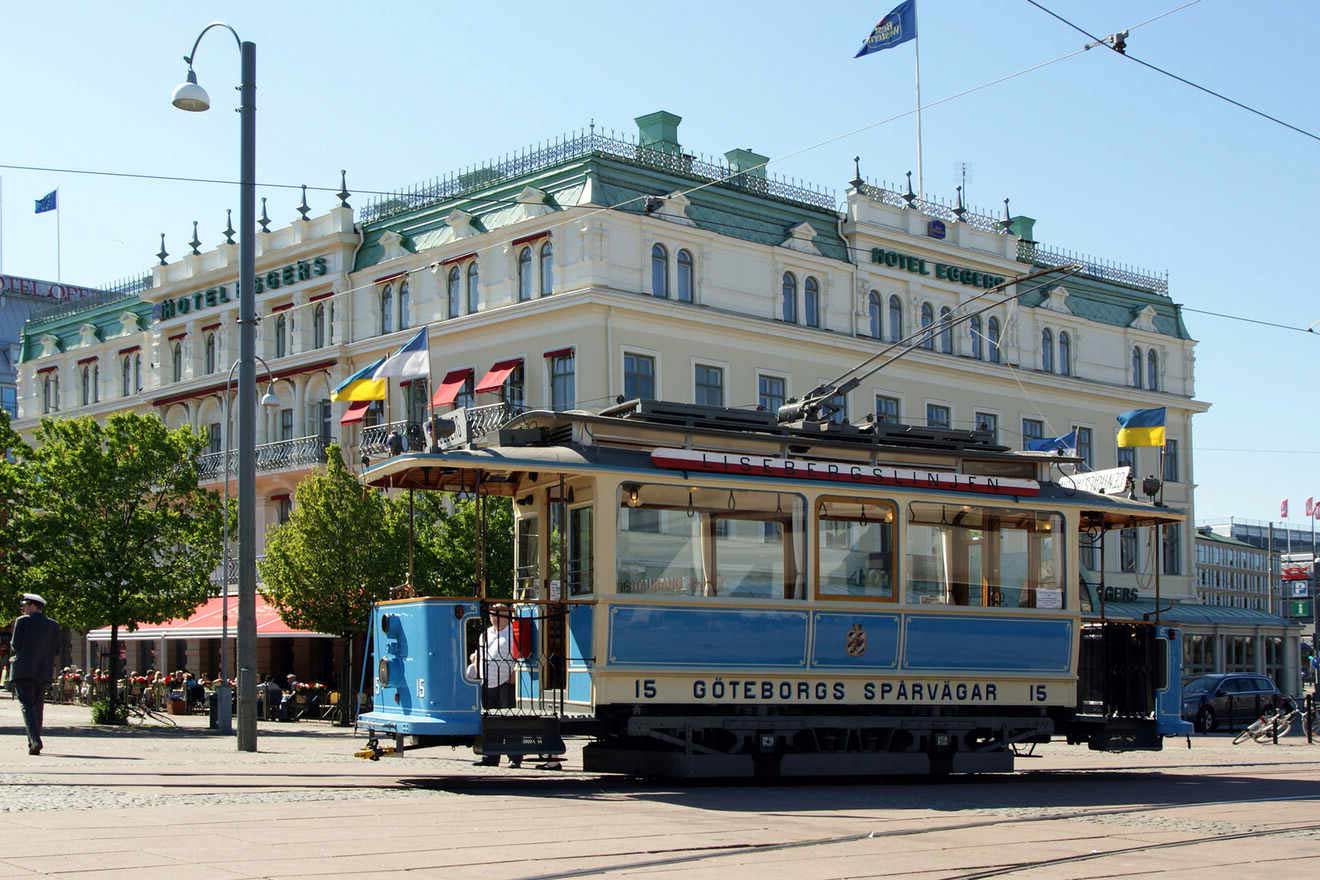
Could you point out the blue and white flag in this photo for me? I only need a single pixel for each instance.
(1066, 443)
(47, 202)
(899, 26)
(412, 361)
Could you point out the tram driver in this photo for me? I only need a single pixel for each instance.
(495, 650)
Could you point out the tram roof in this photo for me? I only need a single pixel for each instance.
(537, 444)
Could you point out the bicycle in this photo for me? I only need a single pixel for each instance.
(143, 711)
(1276, 723)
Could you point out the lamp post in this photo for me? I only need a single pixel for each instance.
(192, 97)
(223, 701)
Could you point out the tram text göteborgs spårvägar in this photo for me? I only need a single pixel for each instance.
(709, 592)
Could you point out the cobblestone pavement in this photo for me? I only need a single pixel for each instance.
(152, 802)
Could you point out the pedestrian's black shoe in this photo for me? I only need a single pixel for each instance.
(34, 750)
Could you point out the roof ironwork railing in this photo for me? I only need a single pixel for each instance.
(584, 144)
(123, 290)
(889, 194)
(1093, 267)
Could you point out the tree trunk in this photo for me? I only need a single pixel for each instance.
(114, 672)
(347, 693)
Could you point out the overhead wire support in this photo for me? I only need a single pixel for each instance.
(1118, 43)
(812, 402)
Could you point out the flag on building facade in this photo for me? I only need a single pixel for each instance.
(362, 385)
(1283, 508)
(48, 202)
(1067, 443)
(899, 26)
(412, 361)
(1310, 506)
(1141, 427)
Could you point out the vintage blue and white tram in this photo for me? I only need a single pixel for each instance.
(711, 592)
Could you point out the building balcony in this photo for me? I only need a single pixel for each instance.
(282, 455)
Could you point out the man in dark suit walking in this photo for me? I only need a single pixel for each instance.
(36, 641)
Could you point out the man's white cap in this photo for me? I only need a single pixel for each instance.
(33, 597)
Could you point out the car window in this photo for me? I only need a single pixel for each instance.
(1234, 686)
(1199, 686)
(1265, 685)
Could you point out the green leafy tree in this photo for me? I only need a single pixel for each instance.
(13, 507)
(446, 541)
(340, 551)
(118, 531)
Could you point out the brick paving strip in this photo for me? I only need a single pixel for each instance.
(142, 803)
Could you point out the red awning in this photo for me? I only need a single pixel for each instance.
(204, 623)
(494, 380)
(355, 412)
(450, 386)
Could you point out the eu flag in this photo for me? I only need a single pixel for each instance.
(899, 26)
(47, 202)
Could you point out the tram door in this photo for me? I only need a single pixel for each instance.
(554, 633)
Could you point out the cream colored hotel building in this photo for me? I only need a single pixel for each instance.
(597, 267)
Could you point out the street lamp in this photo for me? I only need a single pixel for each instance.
(223, 707)
(192, 97)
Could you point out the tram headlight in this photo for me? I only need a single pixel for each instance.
(383, 672)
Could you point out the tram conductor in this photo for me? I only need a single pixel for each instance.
(495, 650)
(36, 641)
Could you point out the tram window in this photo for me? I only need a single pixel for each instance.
(699, 541)
(528, 562)
(855, 549)
(984, 557)
(579, 551)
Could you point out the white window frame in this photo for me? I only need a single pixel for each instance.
(772, 374)
(925, 416)
(709, 362)
(625, 350)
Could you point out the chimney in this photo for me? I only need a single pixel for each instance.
(1022, 227)
(746, 160)
(659, 131)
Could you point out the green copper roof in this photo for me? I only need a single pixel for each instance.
(67, 325)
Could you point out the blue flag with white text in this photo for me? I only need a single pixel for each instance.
(1054, 444)
(899, 26)
(47, 202)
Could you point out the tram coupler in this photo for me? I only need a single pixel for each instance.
(374, 751)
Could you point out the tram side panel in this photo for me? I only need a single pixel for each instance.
(419, 686)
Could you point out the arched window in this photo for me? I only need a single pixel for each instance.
(210, 353)
(86, 385)
(55, 386)
(659, 271)
(137, 372)
(46, 399)
(895, 319)
(788, 310)
(1152, 370)
(405, 308)
(318, 325)
(1136, 367)
(975, 333)
(927, 320)
(96, 383)
(330, 324)
(525, 274)
(811, 300)
(455, 292)
(873, 312)
(685, 276)
(1065, 354)
(473, 288)
(282, 333)
(992, 328)
(387, 309)
(176, 359)
(1047, 350)
(946, 331)
(547, 269)
(126, 377)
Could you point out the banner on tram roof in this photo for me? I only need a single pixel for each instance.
(839, 472)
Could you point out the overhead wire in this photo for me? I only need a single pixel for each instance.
(1109, 42)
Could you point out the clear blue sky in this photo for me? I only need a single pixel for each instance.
(1111, 158)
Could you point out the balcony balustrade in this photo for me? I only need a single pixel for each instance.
(281, 455)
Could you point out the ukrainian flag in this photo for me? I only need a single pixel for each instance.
(362, 385)
(1141, 427)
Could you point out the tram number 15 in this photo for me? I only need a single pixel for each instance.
(644, 688)
(1036, 693)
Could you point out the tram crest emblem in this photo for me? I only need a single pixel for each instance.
(855, 641)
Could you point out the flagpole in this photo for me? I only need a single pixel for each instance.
(916, 43)
(59, 276)
(2, 225)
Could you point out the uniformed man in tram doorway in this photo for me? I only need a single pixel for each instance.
(495, 650)
(36, 642)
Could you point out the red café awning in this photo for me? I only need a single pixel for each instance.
(495, 378)
(450, 386)
(204, 623)
(355, 412)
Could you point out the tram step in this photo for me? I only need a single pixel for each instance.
(518, 736)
